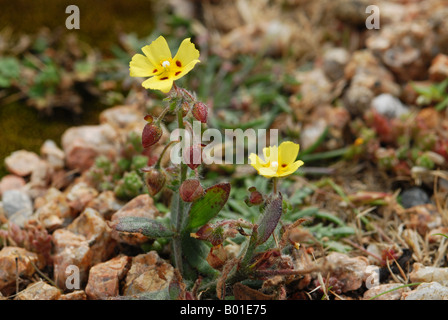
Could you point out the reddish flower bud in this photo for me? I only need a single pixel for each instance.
(154, 179)
(185, 108)
(217, 257)
(151, 135)
(217, 232)
(204, 233)
(200, 112)
(191, 190)
(255, 197)
(192, 156)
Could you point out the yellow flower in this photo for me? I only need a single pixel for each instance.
(158, 64)
(358, 141)
(278, 162)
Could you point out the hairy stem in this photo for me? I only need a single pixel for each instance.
(177, 245)
(162, 115)
(157, 165)
(241, 266)
(275, 182)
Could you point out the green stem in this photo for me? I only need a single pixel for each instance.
(275, 182)
(157, 165)
(183, 92)
(177, 245)
(239, 272)
(192, 99)
(162, 115)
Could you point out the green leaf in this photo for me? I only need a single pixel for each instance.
(195, 252)
(320, 231)
(148, 227)
(299, 196)
(4, 82)
(441, 105)
(9, 67)
(270, 219)
(316, 144)
(174, 289)
(208, 206)
(336, 246)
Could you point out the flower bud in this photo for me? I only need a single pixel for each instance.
(185, 108)
(217, 257)
(154, 179)
(255, 197)
(206, 233)
(192, 156)
(200, 112)
(191, 190)
(151, 135)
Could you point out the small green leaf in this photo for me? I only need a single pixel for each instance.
(208, 206)
(320, 231)
(9, 70)
(148, 227)
(270, 219)
(336, 246)
(195, 252)
(442, 104)
(316, 144)
(174, 290)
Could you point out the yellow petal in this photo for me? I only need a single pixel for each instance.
(185, 70)
(156, 84)
(158, 51)
(267, 172)
(288, 152)
(255, 161)
(291, 169)
(186, 54)
(271, 154)
(140, 66)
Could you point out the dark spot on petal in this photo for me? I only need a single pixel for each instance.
(284, 165)
(164, 78)
(177, 73)
(154, 71)
(178, 63)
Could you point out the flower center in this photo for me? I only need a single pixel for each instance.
(166, 64)
(274, 165)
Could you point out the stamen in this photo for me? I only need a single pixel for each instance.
(274, 165)
(165, 64)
